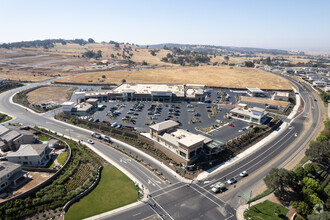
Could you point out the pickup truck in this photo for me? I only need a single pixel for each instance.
(218, 187)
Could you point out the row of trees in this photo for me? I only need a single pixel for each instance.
(186, 57)
(92, 54)
(308, 185)
(48, 43)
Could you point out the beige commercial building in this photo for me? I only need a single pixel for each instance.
(255, 114)
(187, 145)
(281, 96)
(150, 92)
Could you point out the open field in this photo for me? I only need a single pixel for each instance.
(222, 76)
(113, 191)
(52, 94)
(265, 101)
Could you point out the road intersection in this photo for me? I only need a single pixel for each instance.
(180, 199)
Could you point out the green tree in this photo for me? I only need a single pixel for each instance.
(300, 172)
(144, 63)
(320, 152)
(309, 168)
(123, 81)
(104, 76)
(321, 216)
(301, 207)
(311, 184)
(90, 40)
(249, 64)
(226, 59)
(164, 59)
(278, 179)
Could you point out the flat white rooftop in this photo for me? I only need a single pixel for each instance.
(254, 89)
(177, 89)
(282, 94)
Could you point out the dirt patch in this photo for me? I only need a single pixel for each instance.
(283, 104)
(53, 94)
(37, 178)
(222, 76)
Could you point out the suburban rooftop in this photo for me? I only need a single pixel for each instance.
(254, 89)
(164, 125)
(177, 89)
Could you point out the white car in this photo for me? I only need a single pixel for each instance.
(231, 181)
(90, 141)
(243, 174)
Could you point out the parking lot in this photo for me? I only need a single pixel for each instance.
(141, 114)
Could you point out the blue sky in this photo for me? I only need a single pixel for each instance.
(287, 24)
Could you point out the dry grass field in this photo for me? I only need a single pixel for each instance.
(283, 104)
(222, 76)
(52, 94)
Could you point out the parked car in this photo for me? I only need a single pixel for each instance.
(157, 114)
(107, 139)
(243, 174)
(96, 135)
(90, 141)
(231, 125)
(231, 181)
(114, 124)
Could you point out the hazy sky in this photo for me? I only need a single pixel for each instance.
(287, 24)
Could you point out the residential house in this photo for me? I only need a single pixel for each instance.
(34, 155)
(12, 139)
(11, 174)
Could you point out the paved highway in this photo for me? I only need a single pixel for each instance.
(194, 201)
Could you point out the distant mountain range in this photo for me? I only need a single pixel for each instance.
(220, 49)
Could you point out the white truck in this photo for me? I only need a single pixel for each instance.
(218, 187)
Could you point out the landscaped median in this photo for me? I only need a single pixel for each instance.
(4, 118)
(113, 191)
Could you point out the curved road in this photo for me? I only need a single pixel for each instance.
(195, 200)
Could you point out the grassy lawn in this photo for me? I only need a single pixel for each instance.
(265, 211)
(42, 138)
(4, 118)
(62, 158)
(113, 191)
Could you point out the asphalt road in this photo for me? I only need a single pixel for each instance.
(142, 174)
(194, 201)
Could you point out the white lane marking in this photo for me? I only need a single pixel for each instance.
(209, 193)
(206, 196)
(156, 212)
(256, 157)
(229, 217)
(169, 191)
(149, 182)
(137, 214)
(165, 187)
(122, 161)
(162, 209)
